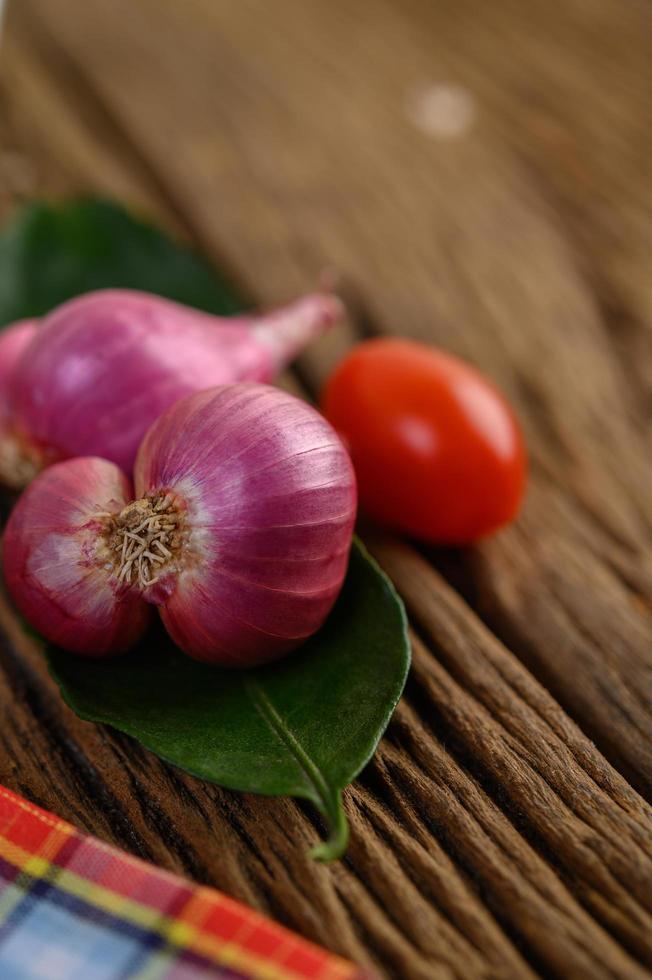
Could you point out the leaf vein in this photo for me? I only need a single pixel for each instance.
(309, 768)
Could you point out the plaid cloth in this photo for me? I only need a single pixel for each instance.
(73, 908)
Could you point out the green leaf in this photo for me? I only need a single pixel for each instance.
(49, 253)
(304, 727)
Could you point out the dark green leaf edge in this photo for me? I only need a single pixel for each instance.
(73, 246)
(51, 251)
(327, 801)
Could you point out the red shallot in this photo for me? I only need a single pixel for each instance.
(240, 531)
(57, 561)
(106, 364)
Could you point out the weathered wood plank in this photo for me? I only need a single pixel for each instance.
(490, 836)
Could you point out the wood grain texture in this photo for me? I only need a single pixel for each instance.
(503, 829)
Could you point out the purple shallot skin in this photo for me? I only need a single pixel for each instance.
(17, 465)
(268, 498)
(57, 563)
(240, 533)
(104, 366)
(13, 342)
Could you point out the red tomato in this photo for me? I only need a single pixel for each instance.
(437, 450)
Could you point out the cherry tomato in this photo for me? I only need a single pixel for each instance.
(437, 450)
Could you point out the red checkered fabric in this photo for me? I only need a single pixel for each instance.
(73, 908)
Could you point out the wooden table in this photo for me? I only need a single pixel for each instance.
(479, 176)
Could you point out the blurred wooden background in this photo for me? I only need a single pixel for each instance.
(478, 175)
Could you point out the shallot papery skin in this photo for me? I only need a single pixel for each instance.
(264, 498)
(57, 564)
(13, 341)
(16, 463)
(105, 365)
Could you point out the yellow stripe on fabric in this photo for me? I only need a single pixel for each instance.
(13, 854)
(203, 902)
(180, 935)
(158, 965)
(36, 865)
(80, 887)
(28, 864)
(229, 952)
(109, 901)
